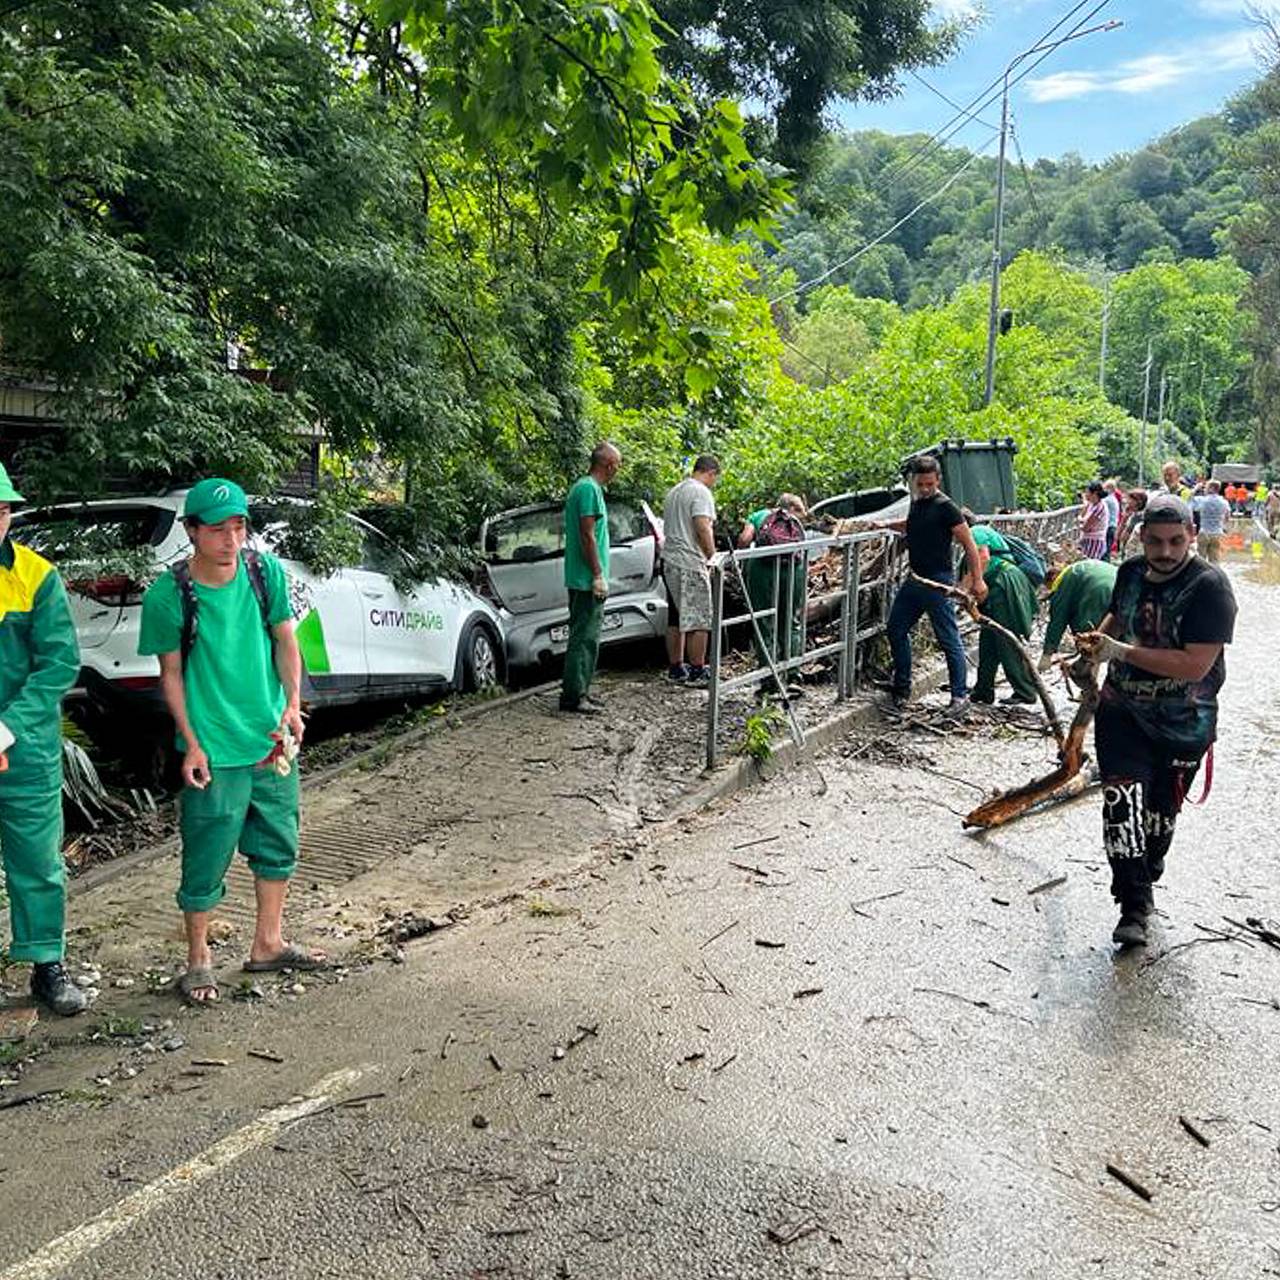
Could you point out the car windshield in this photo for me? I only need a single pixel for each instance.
(79, 535)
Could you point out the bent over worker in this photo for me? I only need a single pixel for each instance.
(1011, 601)
(1078, 598)
(39, 662)
(1171, 614)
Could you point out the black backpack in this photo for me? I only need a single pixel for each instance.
(191, 602)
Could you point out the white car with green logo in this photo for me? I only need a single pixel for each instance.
(362, 637)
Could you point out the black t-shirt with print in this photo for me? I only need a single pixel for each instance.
(1196, 606)
(929, 525)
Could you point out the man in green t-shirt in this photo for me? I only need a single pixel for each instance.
(586, 576)
(1079, 598)
(222, 627)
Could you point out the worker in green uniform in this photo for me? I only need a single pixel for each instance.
(786, 574)
(1078, 598)
(586, 577)
(39, 662)
(221, 624)
(1011, 601)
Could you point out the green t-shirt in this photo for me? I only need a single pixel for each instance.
(586, 498)
(985, 536)
(757, 518)
(234, 697)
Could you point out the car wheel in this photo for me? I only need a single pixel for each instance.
(480, 659)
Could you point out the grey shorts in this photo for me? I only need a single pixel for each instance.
(689, 597)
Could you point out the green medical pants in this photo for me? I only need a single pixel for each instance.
(792, 580)
(248, 808)
(585, 615)
(1011, 599)
(31, 847)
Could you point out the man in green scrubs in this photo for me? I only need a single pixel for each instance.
(39, 662)
(1079, 598)
(788, 574)
(1011, 600)
(586, 576)
(234, 697)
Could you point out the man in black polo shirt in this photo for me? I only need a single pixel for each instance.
(1170, 616)
(932, 525)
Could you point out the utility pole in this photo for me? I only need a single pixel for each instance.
(993, 310)
(1164, 382)
(1106, 323)
(1146, 400)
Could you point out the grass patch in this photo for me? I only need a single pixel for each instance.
(541, 908)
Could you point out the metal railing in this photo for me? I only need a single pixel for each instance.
(870, 563)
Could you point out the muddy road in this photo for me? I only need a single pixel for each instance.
(816, 1031)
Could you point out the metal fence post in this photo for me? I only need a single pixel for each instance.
(713, 660)
(853, 607)
(845, 683)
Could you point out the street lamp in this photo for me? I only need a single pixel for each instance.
(993, 316)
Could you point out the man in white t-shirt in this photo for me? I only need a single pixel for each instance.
(689, 517)
(1214, 512)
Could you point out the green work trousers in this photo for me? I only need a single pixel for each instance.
(1011, 600)
(249, 808)
(585, 616)
(792, 582)
(31, 846)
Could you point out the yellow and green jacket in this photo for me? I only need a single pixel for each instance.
(39, 655)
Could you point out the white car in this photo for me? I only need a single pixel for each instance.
(362, 637)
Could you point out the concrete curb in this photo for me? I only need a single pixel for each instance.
(105, 872)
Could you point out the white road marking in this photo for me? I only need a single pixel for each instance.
(59, 1254)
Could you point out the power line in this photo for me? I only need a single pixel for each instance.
(983, 99)
(951, 102)
(1022, 164)
(884, 235)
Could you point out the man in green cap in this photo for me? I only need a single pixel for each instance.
(1079, 597)
(39, 662)
(222, 627)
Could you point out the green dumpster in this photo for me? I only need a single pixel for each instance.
(977, 474)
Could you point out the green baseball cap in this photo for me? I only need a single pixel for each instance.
(7, 492)
(214, 500)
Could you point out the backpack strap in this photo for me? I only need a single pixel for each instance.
(258, 582)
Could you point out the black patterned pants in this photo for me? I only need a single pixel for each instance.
(1143, 786)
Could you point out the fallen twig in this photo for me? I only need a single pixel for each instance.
(805, 992)
(1129, 1181)
(733, 924)
(444, 1046)
(1047, 885)
(1193, 1131)
(748, 844)
(744, 866)
(720, 1066)
(264, 1054)
(953, 995)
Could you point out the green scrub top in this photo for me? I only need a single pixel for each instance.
(234, 697)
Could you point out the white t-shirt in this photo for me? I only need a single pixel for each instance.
(1215, 511)
(686, 500)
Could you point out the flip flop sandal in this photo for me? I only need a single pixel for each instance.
(195, 980)
(292, 957)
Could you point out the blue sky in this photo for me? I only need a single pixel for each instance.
(1172, 60)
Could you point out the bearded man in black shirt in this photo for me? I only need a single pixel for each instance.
(1171, 614)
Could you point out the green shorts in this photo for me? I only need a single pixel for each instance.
(251, 809)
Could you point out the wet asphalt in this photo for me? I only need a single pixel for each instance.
(820, 1031)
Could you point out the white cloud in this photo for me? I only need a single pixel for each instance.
(1222, 8)
(950, 9)
(1229, 52)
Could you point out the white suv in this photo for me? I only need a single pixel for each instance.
(362, 637)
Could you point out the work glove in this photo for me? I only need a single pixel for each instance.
(1045, 663)
(1100, 648)
(600, 587)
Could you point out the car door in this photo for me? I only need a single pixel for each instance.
(405, 641)
(524, 553)
(328, 616)
(633, 549)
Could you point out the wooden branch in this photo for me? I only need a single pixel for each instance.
(970, 606)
